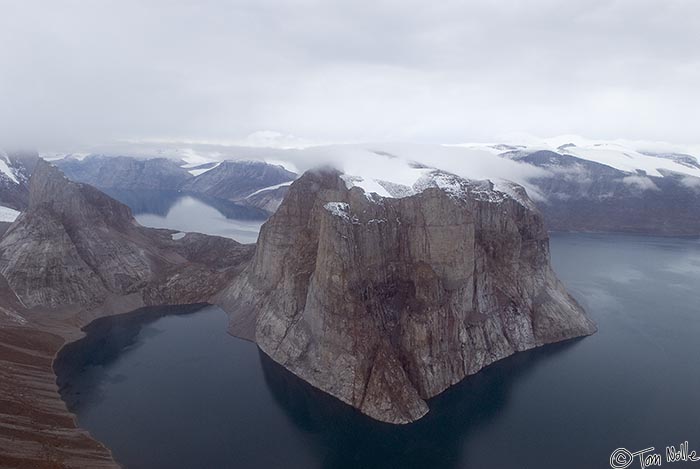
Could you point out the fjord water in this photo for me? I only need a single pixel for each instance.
(193, 212)
(168, 388)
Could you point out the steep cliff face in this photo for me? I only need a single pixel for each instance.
(76, 245)
(386, 302)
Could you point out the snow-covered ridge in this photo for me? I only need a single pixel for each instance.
(197, 172)
(453, 185)
(8, 214)
(652, 158)
(630, 161)
(5, 168)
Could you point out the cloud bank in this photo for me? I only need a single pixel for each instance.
(361, 70)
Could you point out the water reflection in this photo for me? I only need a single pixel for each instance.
(160, 202)
(180, 392)
(348, 439)
(87, 359)
(193, 212)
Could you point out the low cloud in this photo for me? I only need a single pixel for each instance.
(78, 72)
(640, 182)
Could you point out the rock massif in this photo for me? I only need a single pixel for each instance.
(73, 255)
(381, 302)
(386, 302)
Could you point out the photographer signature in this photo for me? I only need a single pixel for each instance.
(623, 458)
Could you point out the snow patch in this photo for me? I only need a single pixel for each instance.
(55, 156)
(368, 185)
(339, 209)
(8, 214)
(5, 168)
(197, 172)
(14, 317)
(270, 188)
(177, 236)
(514, 191)
(411, 179)
(342, 210)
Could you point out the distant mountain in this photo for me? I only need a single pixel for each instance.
(236, 180)
(220, 182)
(578, 194)
(578, 184)
(122, 172)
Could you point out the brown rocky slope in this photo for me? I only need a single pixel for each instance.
(74, 255)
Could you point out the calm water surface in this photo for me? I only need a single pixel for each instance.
(193, 212)
(190, 214)
(176, 391)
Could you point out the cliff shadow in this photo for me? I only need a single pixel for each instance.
(345, 438)
(105, 339)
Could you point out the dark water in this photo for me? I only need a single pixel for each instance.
(177, 392)
(193, 212)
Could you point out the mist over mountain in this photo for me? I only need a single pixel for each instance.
(578, 184)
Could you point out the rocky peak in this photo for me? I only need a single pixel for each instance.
(75, 245)
(386, 302)
(50, 189)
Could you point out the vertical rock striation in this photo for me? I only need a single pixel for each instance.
(386, 302)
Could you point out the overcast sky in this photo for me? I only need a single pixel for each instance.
(338, 71)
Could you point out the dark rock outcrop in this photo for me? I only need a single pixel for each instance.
(384, 303)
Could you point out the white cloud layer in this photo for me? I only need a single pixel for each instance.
(340, 71)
